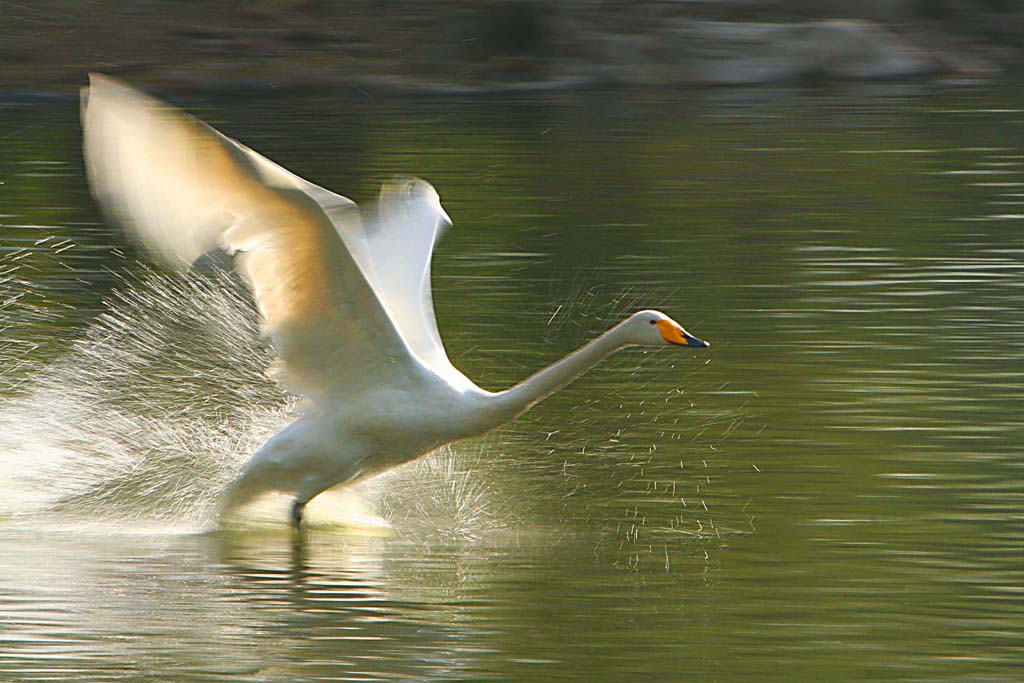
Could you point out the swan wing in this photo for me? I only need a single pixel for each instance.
(392, 242)
(342, 211)
(401, 231)
(183, 189)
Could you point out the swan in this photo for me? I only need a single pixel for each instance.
(344, 294)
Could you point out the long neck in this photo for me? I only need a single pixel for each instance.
(524, 395)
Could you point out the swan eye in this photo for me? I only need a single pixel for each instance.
(654, 322)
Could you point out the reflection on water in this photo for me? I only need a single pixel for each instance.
(834, 491)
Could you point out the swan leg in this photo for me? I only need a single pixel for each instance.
(295, 461)
(264, 472)
(237, 494)
(255, 479)
(298, 507)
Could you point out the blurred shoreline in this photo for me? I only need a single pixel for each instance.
(459, 47)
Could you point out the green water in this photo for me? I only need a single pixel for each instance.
(835, 491)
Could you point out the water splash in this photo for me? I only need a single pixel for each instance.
(150, 413)
(451, 497)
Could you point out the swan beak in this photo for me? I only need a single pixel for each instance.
(674, 334)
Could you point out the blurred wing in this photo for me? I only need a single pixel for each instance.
(342, 211)
(392, 245)
(401, 232)
(183, 189)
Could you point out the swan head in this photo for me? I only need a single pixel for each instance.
(654, 328)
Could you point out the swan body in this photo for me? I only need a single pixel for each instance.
(344, 293)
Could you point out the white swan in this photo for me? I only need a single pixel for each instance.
(344, 295)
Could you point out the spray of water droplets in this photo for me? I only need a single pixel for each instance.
(150, 412)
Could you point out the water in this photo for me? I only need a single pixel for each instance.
(834, 491)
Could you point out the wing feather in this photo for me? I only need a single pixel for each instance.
(392, 242)
(183, 189)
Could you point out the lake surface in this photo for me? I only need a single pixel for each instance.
(834, 491)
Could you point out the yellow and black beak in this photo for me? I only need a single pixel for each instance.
(674, 334)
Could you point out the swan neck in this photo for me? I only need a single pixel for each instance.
(542, 384)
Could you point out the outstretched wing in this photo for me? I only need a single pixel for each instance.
(183, 189)
(392, 241)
